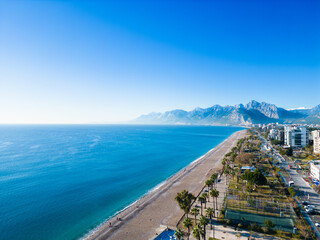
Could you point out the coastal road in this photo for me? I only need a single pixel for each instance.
(303, 190)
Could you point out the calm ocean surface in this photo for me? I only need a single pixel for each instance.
(59, 182)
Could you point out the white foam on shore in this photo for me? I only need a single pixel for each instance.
(158, 186)
(97, 228)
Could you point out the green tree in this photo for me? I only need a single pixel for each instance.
(269, 224)
(187, 223)
(214, 177)
(195, 212)
(178, 234)
(201, 200)
(233, 157)
(210, 213)
(197, 232)
(291, 191)
(208, 184)
(203, 222)
(251, 202)
(289, 151)
(206, 197)
(212, 194)
(255, 177)
(233, 173)
(227, 172)
(215, 194)
(224, 162)
(184, 200)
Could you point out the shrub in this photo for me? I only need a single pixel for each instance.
(269, 224)
(255, 177)
(251, 202)
(256, 227)
(292, 192)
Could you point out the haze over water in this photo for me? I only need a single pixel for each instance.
(59, 182)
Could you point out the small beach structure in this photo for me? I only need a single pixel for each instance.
(167, 234)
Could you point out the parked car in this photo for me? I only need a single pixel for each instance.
(309, 210)
(291, 183)
(317, 224)
(305, 203)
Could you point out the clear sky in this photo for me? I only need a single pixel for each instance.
(108, 61)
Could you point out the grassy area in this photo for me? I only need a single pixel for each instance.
(256, 198)
(252, 199)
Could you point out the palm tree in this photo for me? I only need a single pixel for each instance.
(187, 223)
(184, 200)
(214, 177)
(195, 212)
(178, 234)
(224, 162)
(201, 199)
(226, 172)
(205, 196)
(203, 222)
(197, 232)
(210, 213)
(233, 173)
(208, 183)
(214, 194)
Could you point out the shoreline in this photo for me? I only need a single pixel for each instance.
(127, 214)
(152, 190)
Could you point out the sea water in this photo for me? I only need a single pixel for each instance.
(61, 181)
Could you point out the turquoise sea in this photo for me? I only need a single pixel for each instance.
(61, 181)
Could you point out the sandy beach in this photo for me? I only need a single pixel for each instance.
(143, 219)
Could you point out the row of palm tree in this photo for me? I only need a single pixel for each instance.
(198, 231)
(203, 221)
(185, 198)
(200, 228)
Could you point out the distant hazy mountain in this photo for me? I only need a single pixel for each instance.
(252, 112)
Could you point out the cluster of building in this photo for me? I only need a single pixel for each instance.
(295, 136)
(316, 141)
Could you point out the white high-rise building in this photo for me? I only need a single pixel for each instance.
(315, 170)
(295, 136)
(315, 133)
(316, 141)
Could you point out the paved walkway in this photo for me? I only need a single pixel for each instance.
(221, 187)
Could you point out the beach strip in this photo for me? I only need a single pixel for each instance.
(144, 218)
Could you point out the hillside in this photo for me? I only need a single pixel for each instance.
(251, 113)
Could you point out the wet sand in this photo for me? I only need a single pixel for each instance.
(146, 218)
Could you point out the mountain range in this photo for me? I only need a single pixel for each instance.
(240, 115)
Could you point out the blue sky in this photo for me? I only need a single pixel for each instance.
(109, 61)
